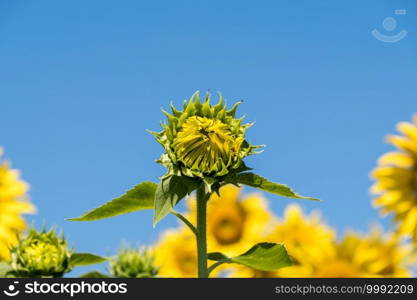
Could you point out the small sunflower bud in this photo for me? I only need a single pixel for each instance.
(133, 263)
(41, 254)
(203, 140)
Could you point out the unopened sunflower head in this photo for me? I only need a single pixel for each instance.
(41, 254)
(203, 140)
(134, 263)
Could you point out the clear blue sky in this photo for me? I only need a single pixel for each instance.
(81, 81)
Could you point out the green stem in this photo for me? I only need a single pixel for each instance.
(185, 221)
(215, 265)
(201, 232)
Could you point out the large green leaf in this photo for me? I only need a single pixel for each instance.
(140, 197)
(266, 185)
(262, 256)
(169, 192)
(84, 259)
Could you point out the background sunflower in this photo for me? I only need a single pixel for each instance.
(234, 221)
(396, 180)
(317, 252)
(13, 204)
(175, 254)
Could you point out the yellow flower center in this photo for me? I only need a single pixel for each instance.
(228, 223)
(187, 262)
(205, 144)
(42, 255)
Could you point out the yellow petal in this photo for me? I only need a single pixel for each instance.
(387, 199)
(403, 143)
(228, 193)
(409, 223)
(4, 252)
(408, 129)
(400, 159)
(377, 188)
(393, 177)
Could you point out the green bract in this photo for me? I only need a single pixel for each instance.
(203, 140)
(133, 263)
(41, 254)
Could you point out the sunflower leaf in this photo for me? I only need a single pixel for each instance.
(266, 185)
(84, 259)
(217, 256)
(262, 256)
(139, 198)
(169, 192)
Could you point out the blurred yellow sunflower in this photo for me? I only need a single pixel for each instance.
(373, 255)
(396, 180)
(176, 254)
(11, 186)
(234, 222)
(316, 252)
(12, 205)
(306, 238)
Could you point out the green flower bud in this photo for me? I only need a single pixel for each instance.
(203, 140)
(41, 254)
(133, 263)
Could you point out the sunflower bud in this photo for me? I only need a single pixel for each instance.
(41, 254)
(203, 140)
(133, 263)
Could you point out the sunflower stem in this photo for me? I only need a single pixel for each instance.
(185, 221)
(214, 266)
(202, 197)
